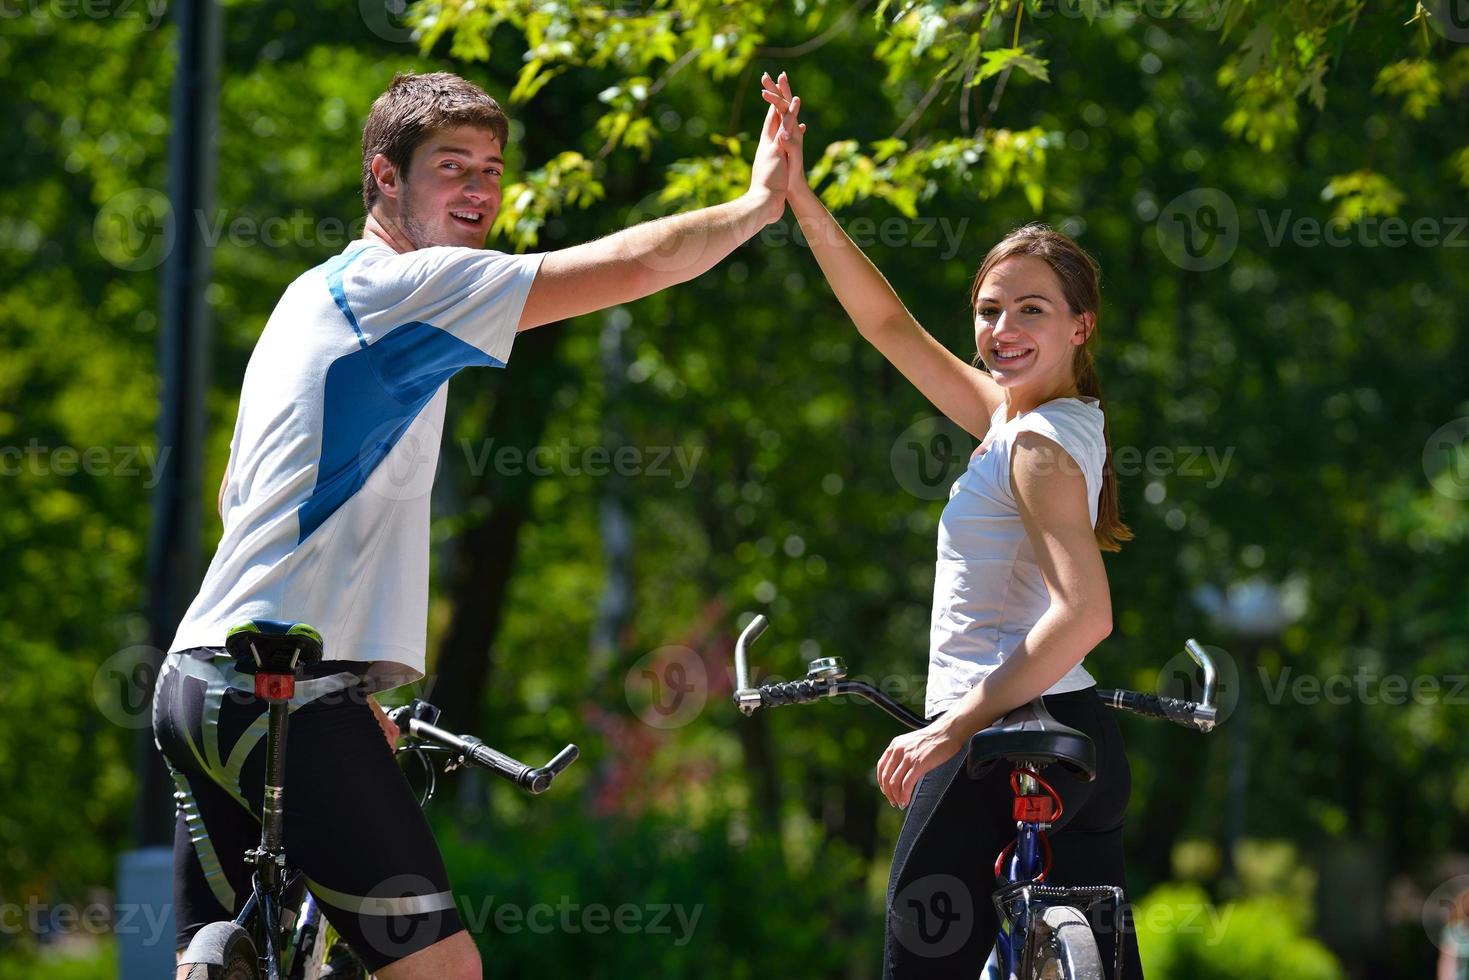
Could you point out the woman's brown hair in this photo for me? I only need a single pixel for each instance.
(1081, 283)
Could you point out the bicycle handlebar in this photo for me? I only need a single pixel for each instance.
(826, 678)
(411, 720)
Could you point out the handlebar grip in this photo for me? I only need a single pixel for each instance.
(1184, 713)
(793, 692)
(482, 755)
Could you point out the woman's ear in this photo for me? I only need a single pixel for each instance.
(1085, 323)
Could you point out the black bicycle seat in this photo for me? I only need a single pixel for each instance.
(272, 646)
(1030, 734)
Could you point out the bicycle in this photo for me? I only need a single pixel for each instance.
(278, 933)
(1043, 933)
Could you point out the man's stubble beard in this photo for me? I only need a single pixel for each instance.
(418, 231)
(409, 224)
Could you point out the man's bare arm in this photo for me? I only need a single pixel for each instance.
(639, 261)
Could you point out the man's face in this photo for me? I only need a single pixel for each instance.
(451, 193)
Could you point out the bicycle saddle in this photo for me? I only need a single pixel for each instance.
(272, 646)
(1030, 734)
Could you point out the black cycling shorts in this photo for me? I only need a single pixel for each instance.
(352, 824)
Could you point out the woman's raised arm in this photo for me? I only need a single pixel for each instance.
(965, 394)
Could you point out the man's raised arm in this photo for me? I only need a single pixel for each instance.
(646, 258)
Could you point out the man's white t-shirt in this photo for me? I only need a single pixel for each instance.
(326, 500)
(988, 591)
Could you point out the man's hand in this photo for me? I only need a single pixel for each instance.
(791, 131)
(770, 174)
(390, 730)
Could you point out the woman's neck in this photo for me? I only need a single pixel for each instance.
(1018, 403)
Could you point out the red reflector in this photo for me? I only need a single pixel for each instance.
(1035, 809)
(275, 687)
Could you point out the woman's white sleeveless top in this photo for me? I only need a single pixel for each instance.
(988, 591)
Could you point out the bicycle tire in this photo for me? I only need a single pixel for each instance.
(222, 951)
(1063, 947)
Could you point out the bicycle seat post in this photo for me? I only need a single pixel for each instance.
(276, 690)
(275, 653)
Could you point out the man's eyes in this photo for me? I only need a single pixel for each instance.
(451, 165)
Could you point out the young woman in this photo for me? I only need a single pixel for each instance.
(1020, 593)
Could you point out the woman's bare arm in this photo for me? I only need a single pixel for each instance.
(962, 392)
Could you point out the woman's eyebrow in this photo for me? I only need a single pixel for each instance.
(991, 299)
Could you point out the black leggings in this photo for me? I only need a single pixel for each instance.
(941, 921)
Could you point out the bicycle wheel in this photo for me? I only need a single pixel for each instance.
(1062, 946)
(222, 951)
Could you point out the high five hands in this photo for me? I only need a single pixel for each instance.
(770, 176)
(790, 131)
(777, 173)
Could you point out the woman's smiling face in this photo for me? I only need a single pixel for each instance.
(1025, 330)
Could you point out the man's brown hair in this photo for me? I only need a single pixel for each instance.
(412, 109)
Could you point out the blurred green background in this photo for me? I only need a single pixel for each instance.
(1276, 192)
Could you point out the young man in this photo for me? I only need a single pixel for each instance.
(345, 393)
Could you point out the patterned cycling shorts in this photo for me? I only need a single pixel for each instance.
(352, 823)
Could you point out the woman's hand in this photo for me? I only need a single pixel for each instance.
(909, 757)
(792, 132)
